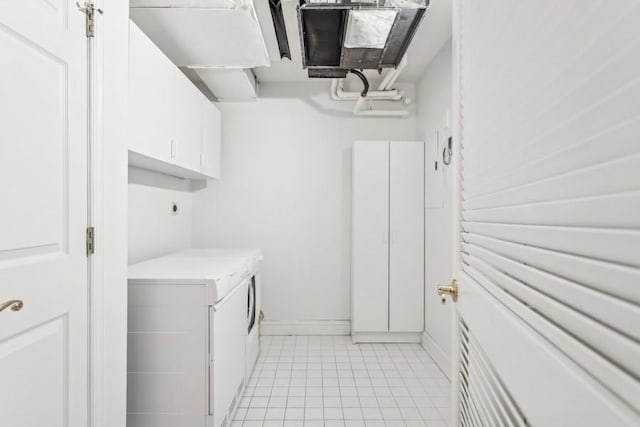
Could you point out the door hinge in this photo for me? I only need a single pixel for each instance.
(91, 240)
(89, 9)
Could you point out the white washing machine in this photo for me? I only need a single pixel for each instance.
(253, 259)
(191, 348)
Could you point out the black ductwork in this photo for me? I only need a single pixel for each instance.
(327, 73)
(324, 27)
(278, 25)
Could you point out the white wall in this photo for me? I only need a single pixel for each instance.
(286, 188)
(153, 229)
(434, 94)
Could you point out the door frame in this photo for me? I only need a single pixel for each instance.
(456, 184)
(107, 273)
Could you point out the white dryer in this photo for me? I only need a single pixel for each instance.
(253, 259)
(254, 309)
(187, 353)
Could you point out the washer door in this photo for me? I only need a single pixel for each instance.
(251, 305)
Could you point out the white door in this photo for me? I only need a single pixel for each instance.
(406, 236)
(370, 237)
(549, 241)
(43, 176)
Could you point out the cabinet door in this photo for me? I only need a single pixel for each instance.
(151, 81)
(210, 161)
(187, 122)
(370, 238)
(406, 226)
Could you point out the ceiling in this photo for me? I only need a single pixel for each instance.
(433, 33)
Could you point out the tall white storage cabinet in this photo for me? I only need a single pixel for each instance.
(387, 241)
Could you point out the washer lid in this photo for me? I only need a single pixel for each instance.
(193, 267)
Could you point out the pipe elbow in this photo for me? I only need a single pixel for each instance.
(365, 82)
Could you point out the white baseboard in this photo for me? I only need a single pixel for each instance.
(437, 354)
(306, 327)
(386, 337)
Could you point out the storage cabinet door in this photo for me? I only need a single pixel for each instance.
(150, 97)
(210, 161)
(370, 244)
(406, 226)
(187, 123)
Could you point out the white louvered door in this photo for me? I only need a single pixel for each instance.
(548, 312)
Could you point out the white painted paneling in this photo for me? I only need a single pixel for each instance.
(109, 319)
(187, 119)
(370, 237)
(545, 89)
(151, 89)
(33, 366)
(433, 103)
(286, 189)
(43, 184)
(153, 228)
(35, 153)
(406, 241)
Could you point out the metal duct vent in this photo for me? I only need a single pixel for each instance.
(280, 28)
(338, 35)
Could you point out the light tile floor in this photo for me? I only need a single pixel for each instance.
(329, 381)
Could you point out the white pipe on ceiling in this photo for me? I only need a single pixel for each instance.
(391, 76)
(358, 110)
(385, 92)
(339, 94)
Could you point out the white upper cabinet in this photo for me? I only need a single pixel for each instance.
(174, 128)
(151, 79)
(186, 120)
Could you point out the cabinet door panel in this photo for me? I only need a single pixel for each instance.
(406, 226)
(151, 82)
(370, 247)
(187, 119)
(210, 162)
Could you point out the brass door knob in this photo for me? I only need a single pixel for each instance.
(15, 304)
(452, 290)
